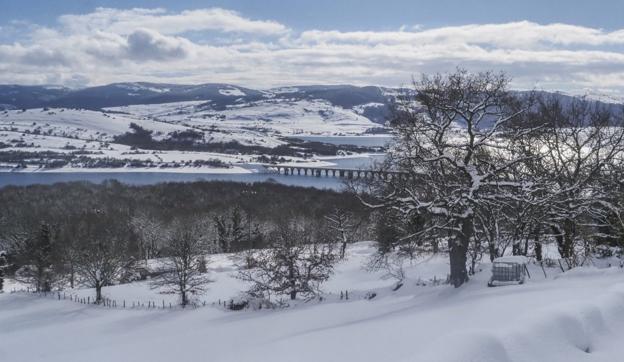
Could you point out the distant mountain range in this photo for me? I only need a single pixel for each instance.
(370, 101)
(219, 96)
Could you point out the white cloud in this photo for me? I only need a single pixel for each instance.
(126, 21)
(144, 44)
(153, 45)
(521, 34)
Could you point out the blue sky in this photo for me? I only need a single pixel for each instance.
(574, 46)
(354, 14)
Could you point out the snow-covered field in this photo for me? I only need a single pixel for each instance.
(576, 316)
(263, 123)
(92, 133)
(269, 117)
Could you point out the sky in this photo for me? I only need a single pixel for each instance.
(571, 46)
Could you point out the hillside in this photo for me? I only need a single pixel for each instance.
(151, 125)
(217, 97)
(577, 316)
(173, 132)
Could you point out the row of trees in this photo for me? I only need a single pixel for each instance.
(486, 170)
(298, 259)
(101, 240)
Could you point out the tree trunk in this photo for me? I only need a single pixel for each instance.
(72, 275)
(435, 246)
(565, 239)
(343, 250)
(458, 254)
(474, 255)
(40, 279)
(560, 242)
(492, 249)
(98, 293)
(292, 281)
(184, 299)
(538, 248)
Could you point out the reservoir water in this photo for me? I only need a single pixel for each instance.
(147, 178)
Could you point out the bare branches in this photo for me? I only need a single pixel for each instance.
(489, 165)
(457, 139)
(101, 257)
(182, 269)
(294, 265)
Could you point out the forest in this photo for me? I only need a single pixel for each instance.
(52, 233)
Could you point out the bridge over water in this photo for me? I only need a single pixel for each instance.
(348, 173)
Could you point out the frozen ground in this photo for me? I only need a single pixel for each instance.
(577, 316)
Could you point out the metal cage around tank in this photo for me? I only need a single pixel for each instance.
(508, 270)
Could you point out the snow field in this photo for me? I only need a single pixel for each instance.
(577, 316)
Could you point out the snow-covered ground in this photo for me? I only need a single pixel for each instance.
(576, 316)
(92, 133)
(263, 123)
(270, 117)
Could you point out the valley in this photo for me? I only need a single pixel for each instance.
(222, 136)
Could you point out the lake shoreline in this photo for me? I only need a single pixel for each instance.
(246, 173)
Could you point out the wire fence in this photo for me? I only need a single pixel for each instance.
(111, 303)
(223, 304)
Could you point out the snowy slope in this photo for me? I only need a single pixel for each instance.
(578, 316)
(79, 123)
(262, 123)
(271, 117)
(220, 95)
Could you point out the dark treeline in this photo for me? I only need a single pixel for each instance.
(54, 234)
(190, 140)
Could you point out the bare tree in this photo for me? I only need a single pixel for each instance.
(35, 252)
(184, 266)
(230, 230)
(579, 150)
(150, 234)
(343, 226)
(294, 265)
(454, 140)
(101, 256)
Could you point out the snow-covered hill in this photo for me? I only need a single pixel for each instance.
(219, 117)
(219, 96)
(261, 122)
(78, 123)
(265, 123)
(576, 316)
(269, 117)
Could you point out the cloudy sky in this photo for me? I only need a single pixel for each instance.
(573, 46)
